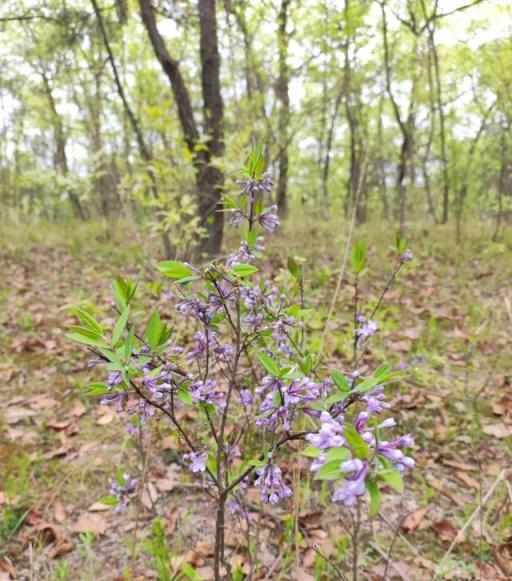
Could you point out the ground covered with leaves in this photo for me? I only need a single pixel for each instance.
(446, 321)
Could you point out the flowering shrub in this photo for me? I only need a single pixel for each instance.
(247, 380)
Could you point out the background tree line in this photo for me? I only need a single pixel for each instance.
(144, 109)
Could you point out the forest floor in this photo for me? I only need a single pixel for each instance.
(448, 317)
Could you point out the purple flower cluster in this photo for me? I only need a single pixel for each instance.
(366, 329)
(253, 188)
(122, 491)
(271, 484)
(197, 460)
(284, 399)
(206, 392)
(331, 435)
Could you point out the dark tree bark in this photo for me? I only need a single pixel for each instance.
(209, 179)
(406, 126)
(282, 93)
(352, 114)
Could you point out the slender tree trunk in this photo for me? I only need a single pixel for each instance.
(383, 187)
(282, 93)
(209, 179)
(134, 122)
(60, 157)
(442, 129)
(406, 126)
(463, 190)
(327, 154)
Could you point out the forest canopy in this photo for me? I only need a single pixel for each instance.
(147, 110)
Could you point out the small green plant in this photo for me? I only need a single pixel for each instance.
(157, 548)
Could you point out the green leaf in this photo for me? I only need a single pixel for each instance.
(96, 388)
(154, 330)
(374, 493)
(329, 471)
(341, 381)
(251, 239)
(174, 269)
(293, 268)
(244, 270)
(338, 454)
(256, 463)
(87, 336)
(358, 257)
(128, 346)
(271, 366)
(87, 320)
(393, 479)
(191, 573)
(184, 396)
(401, 244)
(109, 500)
(312, 452)
(358, 446)
(121, 292)
(120, 325)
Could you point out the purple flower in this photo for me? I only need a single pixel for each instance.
(367, 329)
(122, 490)
(329, 434)
(354, 485)
(197, 460)
(253, 187)
(205, 392)
(119, 398)
(271, 484)
(114, 378)
(268, 219)
(236, 218)
(246, 397)
(407, 256)
(390, 450)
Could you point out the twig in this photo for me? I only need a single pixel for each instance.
(376, 547)
(330, 563)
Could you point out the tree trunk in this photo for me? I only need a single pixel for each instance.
(282, 93)
(209, 179)
(60, 157)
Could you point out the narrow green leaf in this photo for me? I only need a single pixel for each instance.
(329, 471)
(393, 479)
(374, 494)
(338, 454)
(358, 446)
(341, 381)
(174, 269)
(184, 396)
(312, 452)
(87, 320)
(244, 270)
(154, 330)
(128, 345)
(87, 337)
(271, 366)
(120, 325)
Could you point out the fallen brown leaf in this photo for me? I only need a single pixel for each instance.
(93, 523)
(445, 530)
(412, 520)
(497, 430)
(467, 479)
(15, 414)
